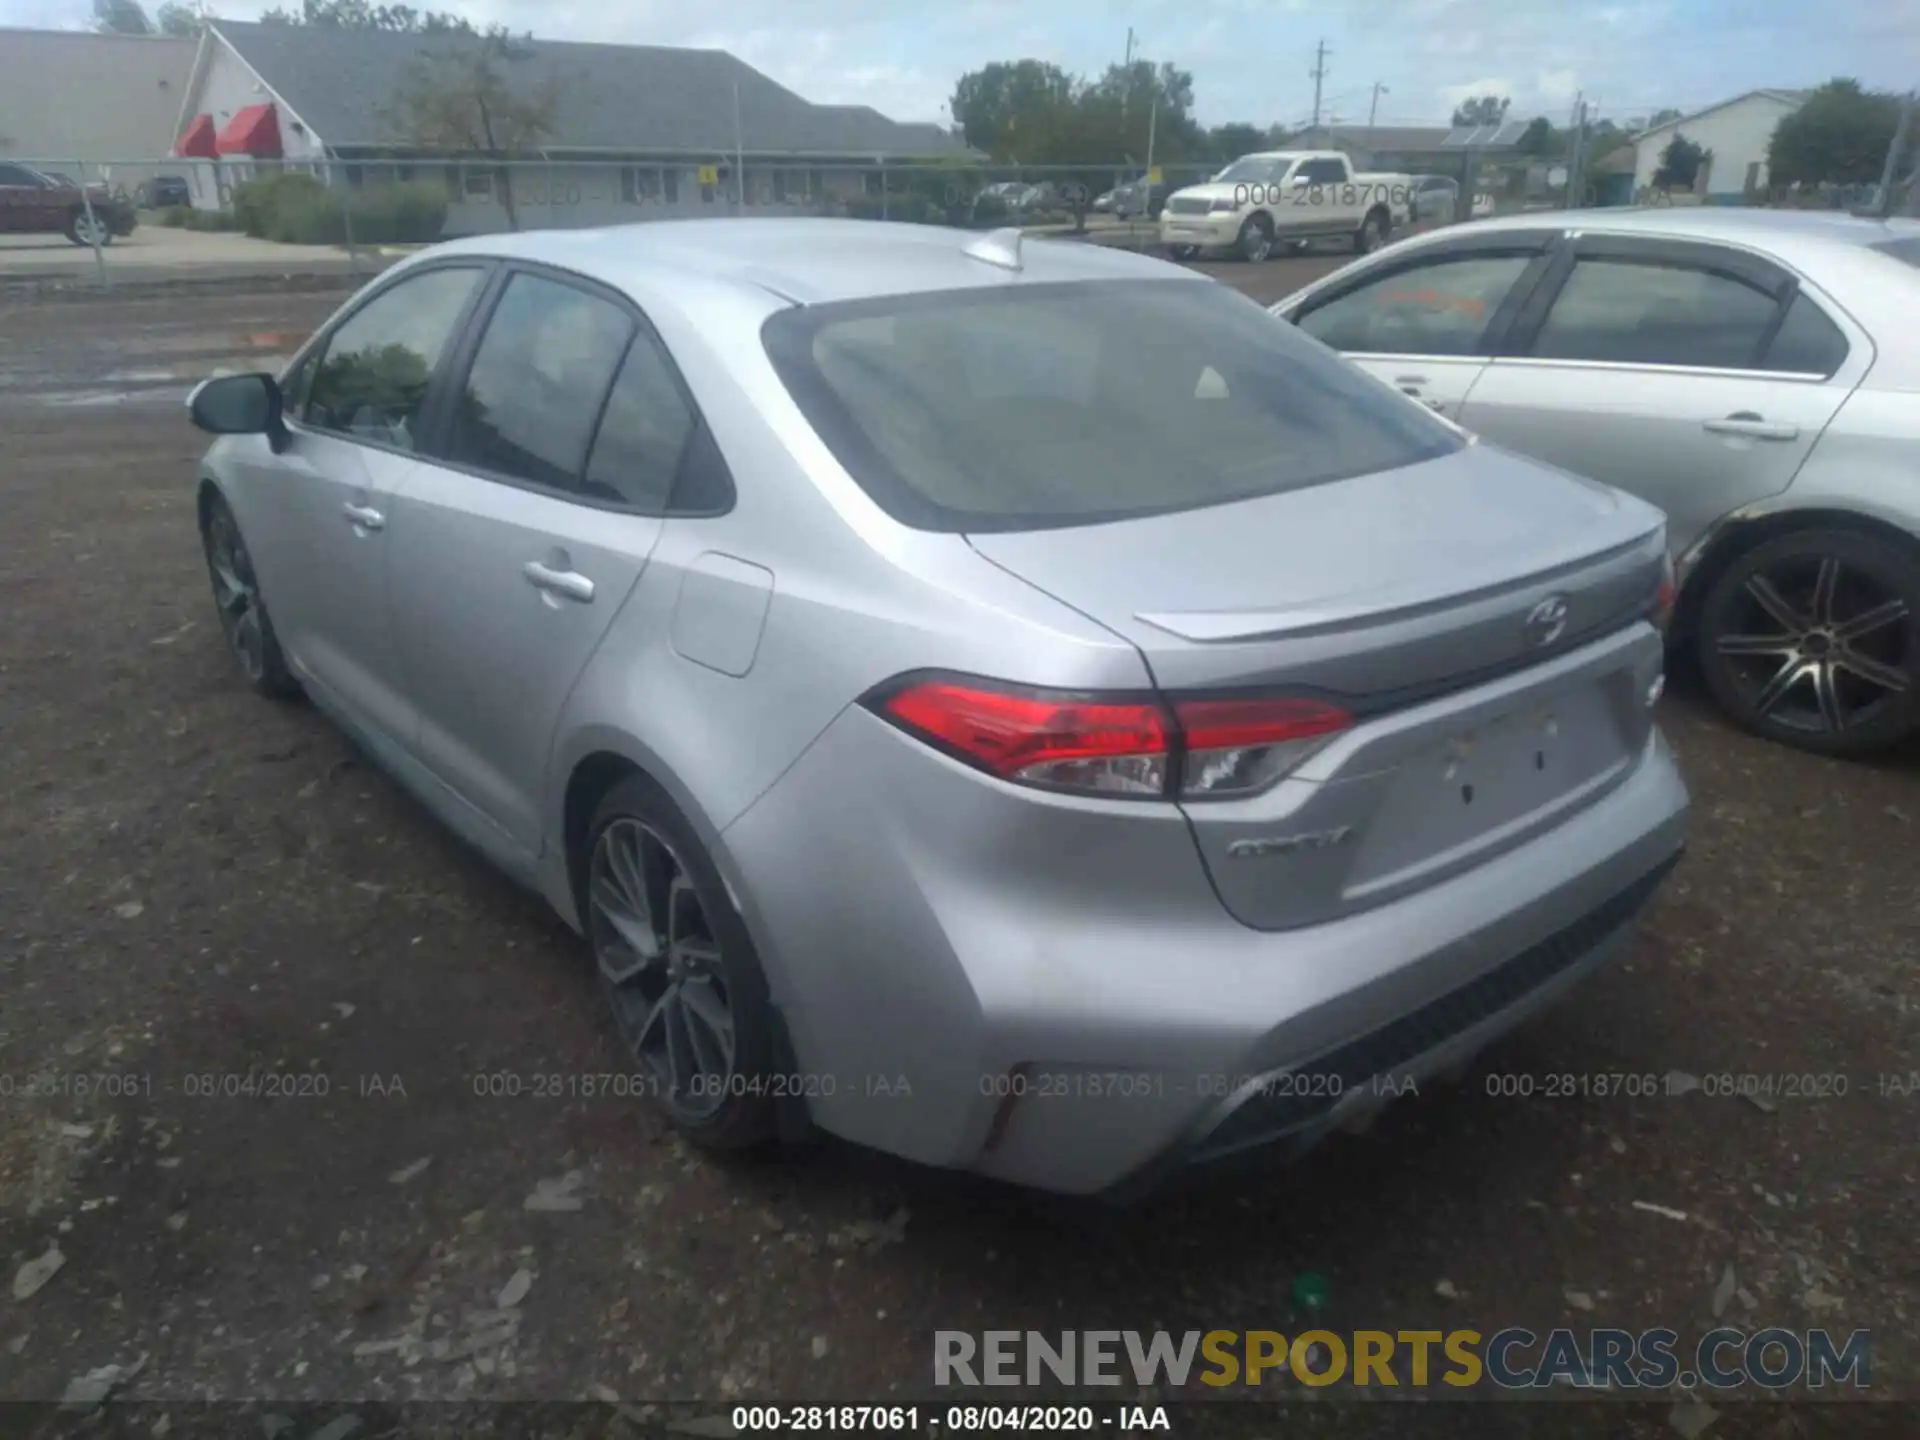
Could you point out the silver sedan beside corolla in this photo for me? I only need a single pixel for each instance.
(1754, 373)
(1016, 706)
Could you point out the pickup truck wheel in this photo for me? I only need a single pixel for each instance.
(1256, 239)
(1372, 233)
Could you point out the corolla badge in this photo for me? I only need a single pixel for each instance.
(1547, 621)
(1289, 844)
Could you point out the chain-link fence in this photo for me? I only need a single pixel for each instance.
(361, 209)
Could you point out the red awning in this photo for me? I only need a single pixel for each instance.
(254, 131)
(199, 139)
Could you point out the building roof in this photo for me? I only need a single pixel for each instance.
(1794, 98)
(74, 95)
(623, 98)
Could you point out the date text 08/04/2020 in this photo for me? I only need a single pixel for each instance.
(956, 1419)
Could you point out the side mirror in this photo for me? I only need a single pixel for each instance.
(239, 405)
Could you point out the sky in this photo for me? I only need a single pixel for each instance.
(1251, 59)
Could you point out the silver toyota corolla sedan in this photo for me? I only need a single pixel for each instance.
(1754, 373)
(1014, 705)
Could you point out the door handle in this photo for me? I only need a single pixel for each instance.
(567, 583)
(364, 516)
(1752, 426)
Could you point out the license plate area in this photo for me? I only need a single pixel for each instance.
(1477, 787)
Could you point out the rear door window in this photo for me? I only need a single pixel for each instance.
(538, 382)
(1443, 308)
(1656, 313)
(1808, 342)
(1020, 407)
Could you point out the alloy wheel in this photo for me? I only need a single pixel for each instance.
(1816, 646)
(661, 962)
(237, 594)
(92, 230)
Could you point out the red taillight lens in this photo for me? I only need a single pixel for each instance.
(1112, 745)
(1237, 747)
(1067, 742)
(1665, 596)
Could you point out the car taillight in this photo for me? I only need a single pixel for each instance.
(1665, 596)
(1123, 746)
(1237, 747)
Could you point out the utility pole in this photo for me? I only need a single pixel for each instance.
(1883, 204)
(1127, 68)
(1374, 108)
(1319, 73)
(1577, 137)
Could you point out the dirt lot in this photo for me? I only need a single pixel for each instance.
(198, 884)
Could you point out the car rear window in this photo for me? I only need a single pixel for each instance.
(1027, 406)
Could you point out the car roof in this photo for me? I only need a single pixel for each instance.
(1790, 234)
(810, 261)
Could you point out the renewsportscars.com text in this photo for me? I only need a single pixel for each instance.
(1511, 1359)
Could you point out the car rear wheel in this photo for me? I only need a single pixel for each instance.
(243, 614)
(678, 970)
(85, 229)
(1813, 639)
(1256, 239)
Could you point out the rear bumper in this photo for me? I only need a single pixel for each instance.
(977, 978)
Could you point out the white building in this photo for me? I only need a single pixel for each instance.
(1737, 131)
(641, 131)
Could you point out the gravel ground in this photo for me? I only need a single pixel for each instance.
(198, 884)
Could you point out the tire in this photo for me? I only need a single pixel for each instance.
(77, 228)
(243, 612)
(1372, 233)
(1255, 242)
(1797, 603)
(722, 1103)
(1183, 252)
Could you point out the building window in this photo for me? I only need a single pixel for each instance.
(780, 196)
(403, 173)
(670, 185)
(451, 179)
(629, 190)
(478, 185)
(874, 182)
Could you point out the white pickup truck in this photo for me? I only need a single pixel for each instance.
(1268, 199)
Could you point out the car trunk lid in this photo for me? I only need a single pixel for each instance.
(1478, 614)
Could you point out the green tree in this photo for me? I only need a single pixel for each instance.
(1838, 137)
(120, 17)
(1008, 107)
(1661, 117)
(364, 15)
(462, 98)
(180, 21)
(1481, 110)
(1540, 139)
(1680, 164)
(1230, 142)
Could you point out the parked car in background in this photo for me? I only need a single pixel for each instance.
(1279, 196)
(889, 681)
(33, 202)
(163, 192)
(1754, 373)
(1435, 200)
(1139, 198)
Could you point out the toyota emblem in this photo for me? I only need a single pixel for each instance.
(1547, 621)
